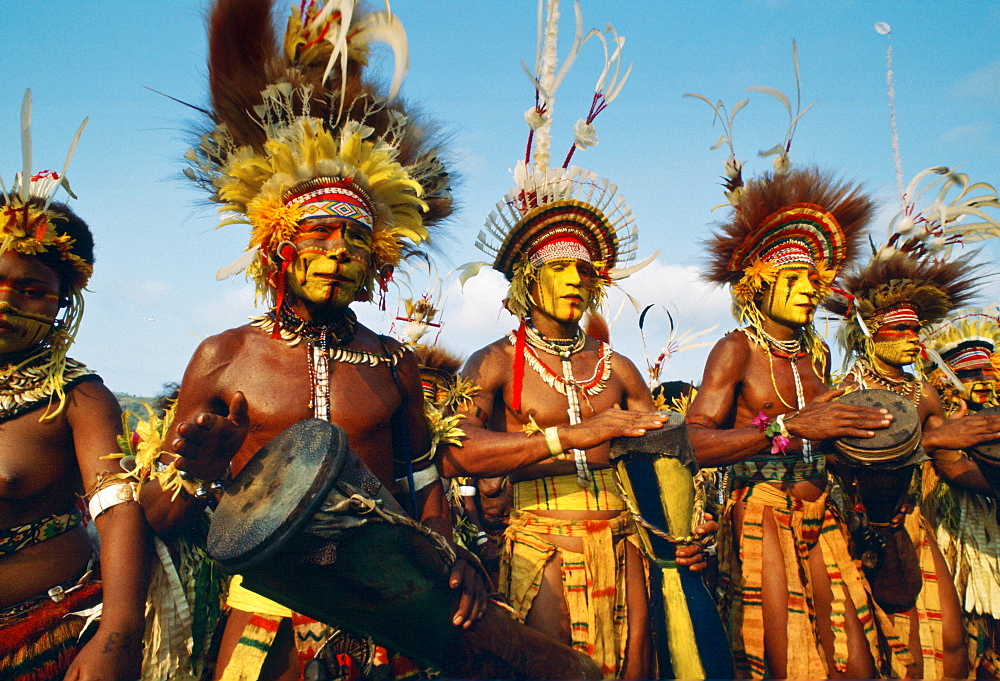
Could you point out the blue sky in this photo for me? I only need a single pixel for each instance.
(154, 293)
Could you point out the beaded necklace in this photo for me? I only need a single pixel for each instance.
(566, 384)
(792, 350)
(907, 387)
(324, 342)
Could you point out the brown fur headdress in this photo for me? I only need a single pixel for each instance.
(932, 287)
(831, 232)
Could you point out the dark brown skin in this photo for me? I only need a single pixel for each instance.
(44, 467)
(736, 386)
(242, 388)
(495, 445)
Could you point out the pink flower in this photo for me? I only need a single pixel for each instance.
(779, 444)
(762, 421)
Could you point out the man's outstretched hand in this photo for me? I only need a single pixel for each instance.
(608, 425)
(823, 418)
(208, 442)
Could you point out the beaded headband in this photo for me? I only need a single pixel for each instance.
(800, 233)
(328, 197)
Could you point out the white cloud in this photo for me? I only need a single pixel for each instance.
(969, 135)
(981, 85)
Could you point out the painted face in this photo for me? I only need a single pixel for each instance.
(897, 343)
(29, 302)
(791, 299)
(564, 289)
(333, 258)
(980, 386)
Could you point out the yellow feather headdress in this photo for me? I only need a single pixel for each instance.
(969, 339)
(301, 111)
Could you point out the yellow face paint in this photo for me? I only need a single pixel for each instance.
(791, 299)
(29, 302)
(563, 289)
(332, 262)
(897, 344)
(980, 386)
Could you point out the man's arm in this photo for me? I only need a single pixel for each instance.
(206, 433)
(433, 507)
(115, 652)
(489, 453)
(944, 438)
(715, 405)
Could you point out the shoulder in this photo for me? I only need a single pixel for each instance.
(499, 350)
(490, 364)
(623, 365)
(930, 399)
(735, 346)
(90, 399)
(222, 346)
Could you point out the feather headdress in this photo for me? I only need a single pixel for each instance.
(898, 285)
(565, 211)
(32, 223)
(911, 270)
(968, 341)
(295, 123)
(787, 217)
(802, 215)
(970, 337)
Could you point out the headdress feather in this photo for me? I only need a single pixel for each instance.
(299, 111)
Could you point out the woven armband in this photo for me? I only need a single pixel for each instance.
(111, 495)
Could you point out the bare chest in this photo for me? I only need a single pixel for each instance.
(776, 385)
(37, 461)
(551, 392)
(283, 386)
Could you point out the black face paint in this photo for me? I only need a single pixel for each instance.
(788, 288)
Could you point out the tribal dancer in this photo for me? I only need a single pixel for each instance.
(968, 345)
(550, 399)
(889, 300)
(761, 409)
(59, 422)
(968, 342)
(338, 183)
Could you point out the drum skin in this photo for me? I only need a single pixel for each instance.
(882, 465)
(889, 446)
(379, 579)
(655, 475)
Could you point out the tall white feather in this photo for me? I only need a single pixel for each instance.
(26, 145)
(69, 157)
(545, 76)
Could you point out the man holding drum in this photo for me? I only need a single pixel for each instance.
(895, 295)
(551, 398)
(966, 347)
(336, 180)
(762, 407)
